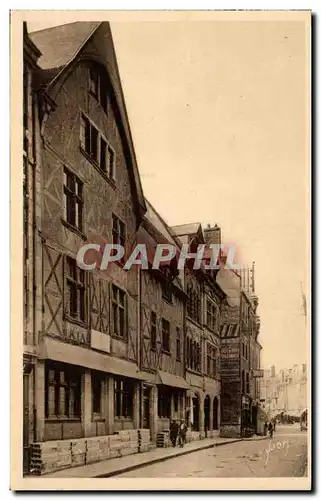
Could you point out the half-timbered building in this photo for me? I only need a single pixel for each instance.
(202, 342)
(87, 378)
(162, 330)
(112, 355)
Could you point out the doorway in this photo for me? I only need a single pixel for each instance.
(215, 414)
(196, 409)
(146, 403)
(206, 414)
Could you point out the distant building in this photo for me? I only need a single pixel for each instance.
(285, 392)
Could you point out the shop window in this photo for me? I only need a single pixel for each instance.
(124, 398)
(96, 383)
(164, 402)
(175, 402)
(62, 391)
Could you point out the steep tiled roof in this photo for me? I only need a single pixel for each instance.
(60, 47)
(183, 229)
(60, 44)
(155, 219)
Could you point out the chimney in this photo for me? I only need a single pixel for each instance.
(212, 234)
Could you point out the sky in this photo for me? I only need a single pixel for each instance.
(218, 114)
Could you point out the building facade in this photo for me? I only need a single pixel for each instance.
(284, 393)
(203, 308)
(110, 356)
(240, 357)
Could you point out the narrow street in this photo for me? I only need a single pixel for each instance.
(284, 456)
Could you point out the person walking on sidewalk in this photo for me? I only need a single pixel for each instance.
(265, 428)
(173, 432)
(270, 430)
(182, 433)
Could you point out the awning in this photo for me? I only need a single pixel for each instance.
(171, 380)
(80, 356)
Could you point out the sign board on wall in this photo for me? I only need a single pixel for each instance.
(230, 351)
(100, 341)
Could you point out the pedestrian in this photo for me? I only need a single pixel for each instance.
(265, 428)
(173, 432)
(182, 433)
(270, 427)
(274, 425)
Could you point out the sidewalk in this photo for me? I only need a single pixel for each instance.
(116, 466)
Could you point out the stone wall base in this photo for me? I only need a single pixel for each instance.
(51, 456)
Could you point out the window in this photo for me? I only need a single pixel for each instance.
(164, 402)
(193, 304)
(245, 312)
(167, 290)
(247, 388)
(210, 315)
(193, 354)
(73, 200)
(119, 314)
(153, 331)
(211, 361)
(62, 391)
(245, 352)
(94, 83)
(165, 335)
(243, 381)
(124, 400)
(119, 233)
(178, 344)
(96, 147)
(96, 381)
(76, 290)
(98, 86)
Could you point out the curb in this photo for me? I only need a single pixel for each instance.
(130, 468)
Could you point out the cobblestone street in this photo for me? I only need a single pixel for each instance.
(284, 456)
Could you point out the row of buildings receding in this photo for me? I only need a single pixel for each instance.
(115, 350)
(284, 393)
